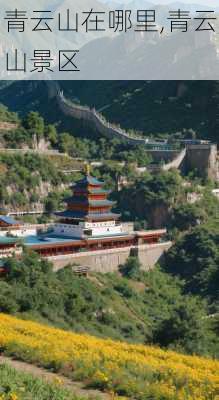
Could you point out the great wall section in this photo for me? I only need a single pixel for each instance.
(96, 121)
(200, 157)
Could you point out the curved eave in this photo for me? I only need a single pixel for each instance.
(88, 180)
(83, 215)
(92, 203)
(102, 217)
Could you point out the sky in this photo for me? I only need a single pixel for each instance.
(209, 3)
(205, 2)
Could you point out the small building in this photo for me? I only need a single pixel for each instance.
(216, 193)
(8, 222)
(11, 227)
(9, 246)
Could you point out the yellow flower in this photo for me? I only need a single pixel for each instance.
(58, 381)
(13, 396)
(111, 364)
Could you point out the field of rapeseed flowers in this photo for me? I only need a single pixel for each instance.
(138, 371)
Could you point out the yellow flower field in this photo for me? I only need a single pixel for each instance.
(138, 371)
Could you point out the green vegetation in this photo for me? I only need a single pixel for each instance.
(32, 129)
(137, 306)
(149, 198)
(26, 132)
(195, 259)
(161, 200)
(7, 116)
(27, 179)
(18, 385)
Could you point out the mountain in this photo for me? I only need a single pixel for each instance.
(44, 39)
(109, 55)
(153, 107)
(146, 4)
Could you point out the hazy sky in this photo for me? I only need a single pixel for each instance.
(205, 2)
(208, 3)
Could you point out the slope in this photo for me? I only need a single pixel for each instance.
(137, 371)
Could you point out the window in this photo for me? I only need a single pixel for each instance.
(88, 232)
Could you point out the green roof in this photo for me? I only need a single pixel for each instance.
(88, 180)
(8, 240)
(84, 201)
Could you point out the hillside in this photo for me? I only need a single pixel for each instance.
(164, 316)
(153, 107)
(133, 305)
(28, 179)
(134, 371)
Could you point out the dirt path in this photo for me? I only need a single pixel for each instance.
(75, 387)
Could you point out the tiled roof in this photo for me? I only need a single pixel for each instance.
(84, 201)
(8, 240)
(88, 180)
(84, 215)
(8, 220)
(92, 190)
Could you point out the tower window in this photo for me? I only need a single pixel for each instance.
(88, 232)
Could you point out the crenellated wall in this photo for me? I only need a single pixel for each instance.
(96, 120)
(203, 157)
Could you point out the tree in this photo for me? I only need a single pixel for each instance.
(195, 259)
(51, 134)
(185, 216)
(186, 328)
(52, 202)
(35, 124)
(66, 143)
(7, 302)
(131, 268)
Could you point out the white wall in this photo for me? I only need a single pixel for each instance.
(68, 230)
(77, 231)
(22, 232)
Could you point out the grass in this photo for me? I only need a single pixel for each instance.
(16, 385)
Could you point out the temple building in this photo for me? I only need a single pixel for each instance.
(9, 246)
(7, 222)
(88, 224)
(89, 233)
(88, 212)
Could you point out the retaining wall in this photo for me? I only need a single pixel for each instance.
(104, 261)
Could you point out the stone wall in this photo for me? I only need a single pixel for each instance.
(96, 121)
(204, 159)
(165, 156)
(104, 261)
(177, 162)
